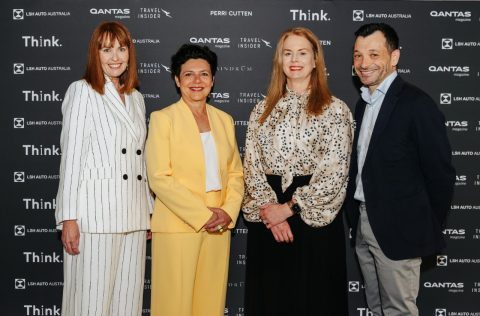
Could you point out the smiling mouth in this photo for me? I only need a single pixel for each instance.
(196, 89)
(295, 68)
(366, 72)
(115, 65)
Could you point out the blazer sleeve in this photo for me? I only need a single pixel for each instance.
(174, 195)
(141, 103)
(74, 143)
(435, 156)
(235, 184)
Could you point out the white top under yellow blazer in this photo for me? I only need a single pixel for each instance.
(103, 181)
(176, 168)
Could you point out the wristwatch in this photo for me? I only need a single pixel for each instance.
(294, 207)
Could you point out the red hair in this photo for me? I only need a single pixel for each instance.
(104, 36)
(320, 96)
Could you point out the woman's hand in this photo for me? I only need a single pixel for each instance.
(273, 214)
(282, 232)
(219, 220)
(71, 237)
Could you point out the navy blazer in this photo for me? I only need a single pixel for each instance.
(408, 177)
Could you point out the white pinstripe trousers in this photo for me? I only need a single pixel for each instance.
(106, 278)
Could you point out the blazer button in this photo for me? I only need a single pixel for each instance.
(139, 152)
(124, 150)
(125, 177)
(139, 177)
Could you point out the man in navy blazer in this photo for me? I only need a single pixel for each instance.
(401, 176)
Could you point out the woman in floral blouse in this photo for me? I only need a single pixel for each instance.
(296, 168)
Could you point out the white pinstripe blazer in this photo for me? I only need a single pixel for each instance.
(103, 180)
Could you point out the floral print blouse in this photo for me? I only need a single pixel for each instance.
(293, 143)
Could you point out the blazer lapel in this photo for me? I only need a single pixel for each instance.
(190, 130)
(216, 126)
(137, 108)
(136, 115)
(389, 103)
(112, 99)
(359, 112)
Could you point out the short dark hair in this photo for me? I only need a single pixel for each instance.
(192, 51)
(388, 31)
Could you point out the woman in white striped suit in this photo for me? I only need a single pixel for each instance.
(103, 200)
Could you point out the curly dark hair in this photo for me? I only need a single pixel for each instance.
(192, 51)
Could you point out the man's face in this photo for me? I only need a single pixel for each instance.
(372, 60)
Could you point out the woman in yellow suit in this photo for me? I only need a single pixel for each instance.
(195, 171)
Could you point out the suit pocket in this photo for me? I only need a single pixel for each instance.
(97, 173)
(414, 215)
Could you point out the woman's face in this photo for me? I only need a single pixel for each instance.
(113, 58)
(195, 81)
(298, 59)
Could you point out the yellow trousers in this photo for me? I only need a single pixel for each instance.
(189, 273)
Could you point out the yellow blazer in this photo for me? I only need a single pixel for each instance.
(176, 168)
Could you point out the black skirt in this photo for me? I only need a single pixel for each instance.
(302, 278)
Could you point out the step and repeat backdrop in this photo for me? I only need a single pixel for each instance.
(44, 50)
